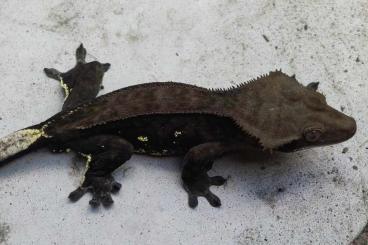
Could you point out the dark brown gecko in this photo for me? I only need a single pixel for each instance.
(273, 112)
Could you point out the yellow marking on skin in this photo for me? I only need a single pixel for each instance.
(19, 141)
(177, 134)
(88, 161)
(152, 153)
(142, 138)
(65, 87)
(140, 151)
(156, 153)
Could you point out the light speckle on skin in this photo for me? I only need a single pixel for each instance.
(155, 154)
(152, 153)
(177, 134)
(142, 138)
(141, 151)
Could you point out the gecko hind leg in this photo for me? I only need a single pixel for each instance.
(198, 161)
(81, 83)
(68, 84)
(105, 153)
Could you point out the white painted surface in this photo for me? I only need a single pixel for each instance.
(212, 43)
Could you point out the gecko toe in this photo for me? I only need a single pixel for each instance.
(116, 186)
(217, 180)
(213, 199)
(80, 54)
(77, 194)
(192, 201)
(52, 73)
(199, 186)
(106, 200)
(94, 202)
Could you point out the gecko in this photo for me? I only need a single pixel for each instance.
(273, 112)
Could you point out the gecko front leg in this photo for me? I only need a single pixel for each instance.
(104, 153)
(82, 83)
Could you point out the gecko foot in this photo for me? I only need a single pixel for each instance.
(199, 186)
(101, 189)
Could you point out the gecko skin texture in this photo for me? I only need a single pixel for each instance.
(271, 113)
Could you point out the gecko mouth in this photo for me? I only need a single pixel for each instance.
(294, 145)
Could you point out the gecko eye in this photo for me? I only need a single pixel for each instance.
(312, 134)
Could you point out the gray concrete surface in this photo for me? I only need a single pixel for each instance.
(317, 196)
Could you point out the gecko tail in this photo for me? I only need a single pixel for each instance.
(20, 142)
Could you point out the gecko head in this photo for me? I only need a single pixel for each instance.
(315, 123)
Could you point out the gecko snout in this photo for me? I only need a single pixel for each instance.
(342, 129)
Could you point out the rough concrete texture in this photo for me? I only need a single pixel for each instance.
(362, 239)
(317, 196)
